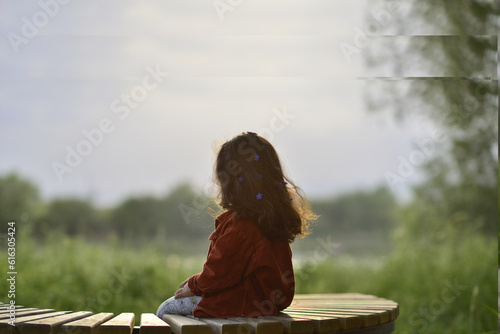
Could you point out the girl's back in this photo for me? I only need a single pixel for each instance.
(245, 274)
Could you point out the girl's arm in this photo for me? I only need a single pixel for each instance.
(183, 291)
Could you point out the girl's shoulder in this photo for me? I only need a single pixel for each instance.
(222, 222)
(228, 221)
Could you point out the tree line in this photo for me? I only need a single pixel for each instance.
(183, 212)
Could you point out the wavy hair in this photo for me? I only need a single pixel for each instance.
(252, 185)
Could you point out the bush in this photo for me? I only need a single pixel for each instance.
(446, 286)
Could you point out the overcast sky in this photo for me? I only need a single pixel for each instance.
(166, 81)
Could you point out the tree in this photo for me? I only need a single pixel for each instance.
(70, 216)
(19, 198)
(147, 217)
(138, 217)
(363, 211)
(461, 101)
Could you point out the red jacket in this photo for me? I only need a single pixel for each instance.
(245, 273)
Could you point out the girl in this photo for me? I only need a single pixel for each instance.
(248, 271)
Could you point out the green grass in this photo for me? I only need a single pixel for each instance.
(73, 274)
(440, 289)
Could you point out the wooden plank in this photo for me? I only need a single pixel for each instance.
(358, 305)
(226, 326)
(370, 317)
(7, 311)
(121, 324)
(329, 296)
(88, 325)
(391, 308)
(321, 324)
(5, 328)
(321, 295)
(7, 308)
(376, 304)
(26, 312)
(260, 325)
(293, 325)
(345, 304)
(32, 317)
(151, 324)
(50, 325)
(343, 301)
(184, 325)
(347, 322)
(384, 315)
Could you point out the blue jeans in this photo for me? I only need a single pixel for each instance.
(182, 306)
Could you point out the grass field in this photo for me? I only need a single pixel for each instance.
(444, 289)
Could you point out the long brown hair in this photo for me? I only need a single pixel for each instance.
(252, 185)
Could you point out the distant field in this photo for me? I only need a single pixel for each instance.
(354, 243)
(72, 274)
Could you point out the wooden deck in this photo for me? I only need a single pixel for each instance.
(316, 313)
